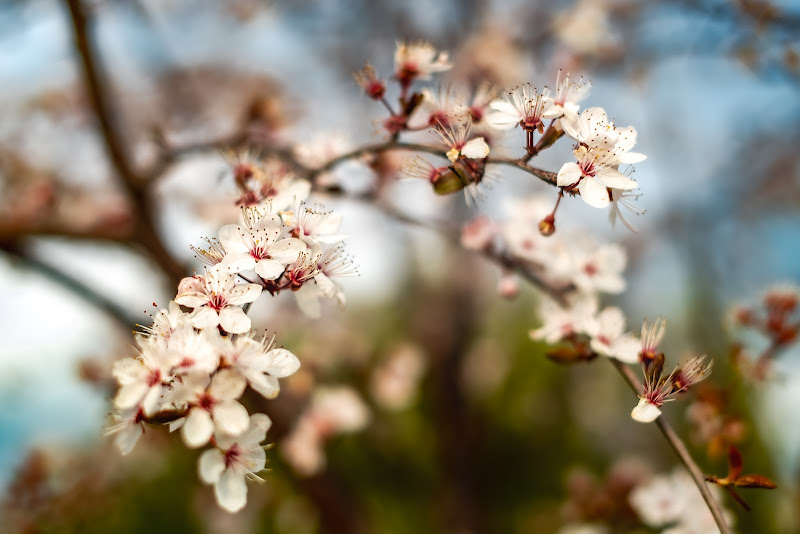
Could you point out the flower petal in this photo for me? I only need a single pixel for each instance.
(211, 465)
(234, 321)
(645, 412)
(197, 429)
(231, 491)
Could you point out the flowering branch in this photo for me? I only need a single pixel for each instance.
(679, 447)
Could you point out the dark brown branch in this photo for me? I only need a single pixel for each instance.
(119, 314)
(145, 233)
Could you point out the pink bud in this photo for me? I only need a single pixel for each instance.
(508, 286)
(478, 233)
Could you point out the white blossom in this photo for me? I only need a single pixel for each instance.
(561, 322)
(258, 362)
(217, 298)
(419, 60)
(235, 459)
(610, 338)
(523, 106)
(258, 246)
(565, 101)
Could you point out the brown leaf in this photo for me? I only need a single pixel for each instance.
(754, 481)
(737, 497)
(734, 463)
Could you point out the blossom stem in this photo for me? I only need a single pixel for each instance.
(680, 449)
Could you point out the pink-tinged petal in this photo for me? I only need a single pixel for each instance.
(308, 300)
(256, 432)
(287, 250)
(130, 395)
(593, 193)
(645, 412)
(126, 438)
(191, 300)
(204, 318)
(231, 417)
(231, 491)
(237, 262)
(198, 428)
(227, 384)
(129, 370)
(244, 293)
(283, 363)
(234, 321)
(476, 149)
(231, 238)
(269, 269)
(152, 400)
(615, 179)
(267, 386)
(569, 174)
(211, 465)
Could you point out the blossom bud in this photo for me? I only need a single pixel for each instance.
(508, 286)
(478, 233)
(547, 226)
(447, 182)
(191, 284)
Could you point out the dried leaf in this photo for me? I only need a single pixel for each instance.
(734, 463)
(754, 481)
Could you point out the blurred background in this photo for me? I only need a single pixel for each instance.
(465, 425)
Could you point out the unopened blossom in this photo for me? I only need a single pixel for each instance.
(479, 233)
(258, 245)
(218, 299)
(562, 322)
(235, 459)
(599, 269)
(652, 334)
(456, 137)
(564, 103)
(259, 362)
(213, 408)
(523, 106)
(659, 389)
(370, 83)
(610, 338)
(418, 60)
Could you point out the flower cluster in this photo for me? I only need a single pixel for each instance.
(200, 354)
(660, 388)
(333, 410)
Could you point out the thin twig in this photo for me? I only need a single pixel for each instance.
(680, 449)
(119, 314)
